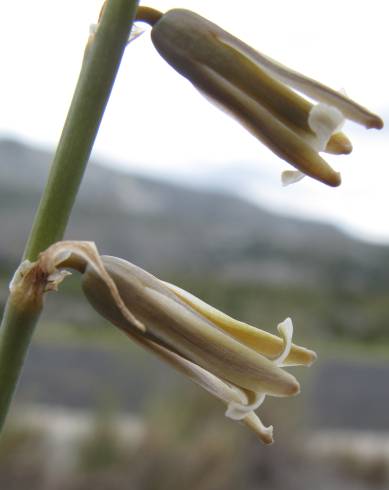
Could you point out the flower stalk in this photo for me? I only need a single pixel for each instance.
(102, 58)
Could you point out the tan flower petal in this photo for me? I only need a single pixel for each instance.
(308, 86)
(259, 340)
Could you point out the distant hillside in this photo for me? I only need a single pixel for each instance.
(204, 239)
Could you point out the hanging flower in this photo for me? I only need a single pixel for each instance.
(237, 363)
(259, 92)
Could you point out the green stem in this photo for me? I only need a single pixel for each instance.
(98, 72)
(97, 76)
(17, 329)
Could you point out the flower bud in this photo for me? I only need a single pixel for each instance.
(257, 91)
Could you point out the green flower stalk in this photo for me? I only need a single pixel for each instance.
(259, 92)
(101, 62)
(237, 363)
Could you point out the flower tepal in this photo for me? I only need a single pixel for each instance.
(260, 93)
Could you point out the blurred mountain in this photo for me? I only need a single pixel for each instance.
(256, 264)
(166, 228)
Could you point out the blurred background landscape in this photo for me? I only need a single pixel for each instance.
(181, 190)
(93, 410)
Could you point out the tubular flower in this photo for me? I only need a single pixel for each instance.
(237, 363)
(259, 92)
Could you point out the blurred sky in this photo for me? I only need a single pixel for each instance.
(156, 122)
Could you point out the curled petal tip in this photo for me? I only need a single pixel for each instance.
(336, 180)
(253, 422)
(333, 179)
(375, 122)
(348, 148)
(300, 356)
(285, 329)
(294, 388)
(313, 357)
(339, 144)
(267, 437)
(289, 387)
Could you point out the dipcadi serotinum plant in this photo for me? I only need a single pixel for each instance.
(236, 362)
